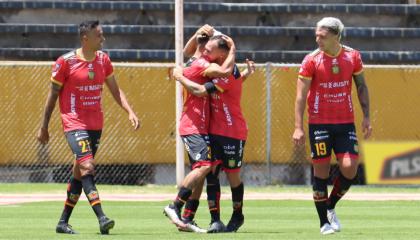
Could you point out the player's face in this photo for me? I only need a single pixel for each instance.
(95, 38)
(325, 39)
(211, 51)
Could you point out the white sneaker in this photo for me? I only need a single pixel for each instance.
(174, 215)
(333, 219)
(327, 229)
(192, 227)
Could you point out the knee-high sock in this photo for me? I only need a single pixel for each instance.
(320, 195)
(92, 194)
(182, 197)
(74, 189)
(213, 196)
(341, 186)
(237, 199)
(190, 209)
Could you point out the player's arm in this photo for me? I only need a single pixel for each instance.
(250, 69)
(191, 46)
(303, 86)
(43, 135)
(193, 87)
(121, 100)
(226, 69)
(363, 95)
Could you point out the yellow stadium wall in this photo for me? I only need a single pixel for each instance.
(395, 110)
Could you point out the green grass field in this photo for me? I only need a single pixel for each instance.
(263, 219)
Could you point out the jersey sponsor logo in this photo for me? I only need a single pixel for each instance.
(72, 103)
(341, 84)
(322, 137)
(316, 103)
(227, 115)
(317, 132)
(406, 165)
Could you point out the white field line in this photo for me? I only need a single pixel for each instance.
(7, 199)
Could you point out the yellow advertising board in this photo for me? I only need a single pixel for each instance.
(392, 162)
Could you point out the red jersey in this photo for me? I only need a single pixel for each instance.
(226, 117)
(329, 98)
(195, 114)
(81, 89)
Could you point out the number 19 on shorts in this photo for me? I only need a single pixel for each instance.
(321, 149)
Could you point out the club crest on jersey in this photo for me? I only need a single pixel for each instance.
(335, 67)
(91, 73)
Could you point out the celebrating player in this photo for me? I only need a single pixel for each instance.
(77, 80)
(325, 80)
(194, 124)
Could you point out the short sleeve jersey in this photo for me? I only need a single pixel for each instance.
(226, 118)
(195, 114)
(329, 97)
(81, 84)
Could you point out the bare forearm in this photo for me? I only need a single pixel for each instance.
(299, 111)
(49, 108)
(192, 87)
(122, 101)
(190, 47)
(229, 63)
(363, 95)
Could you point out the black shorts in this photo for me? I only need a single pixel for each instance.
(83, 143)
(340, 138)
(228, 152)
(198, 148)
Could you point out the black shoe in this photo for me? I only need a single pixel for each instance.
(235, 223)
(216, 227)
(105, 224)
(63, 227)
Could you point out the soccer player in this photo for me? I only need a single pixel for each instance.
(228, 132)
(77, 80)
(194, 123)
(325, 81)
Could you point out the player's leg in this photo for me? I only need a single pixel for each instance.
(74, 189)
(346, 150)
(213, 188)
(88, 142)
(190, 209)
(320, 139)
(232, 163)
(199, 155)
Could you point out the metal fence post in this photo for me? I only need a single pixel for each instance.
(268, 117)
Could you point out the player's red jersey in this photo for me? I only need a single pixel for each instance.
(195, 114)
(329, 97)
(226, 117)
(81, 89)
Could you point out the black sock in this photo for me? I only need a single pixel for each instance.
(182, 197)
(92, 195)
(190, 209)
(74, 189)
(237, 200)
(213, 196)
(341, 186)
(320, 195)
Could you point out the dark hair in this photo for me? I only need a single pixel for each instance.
(221, 43)
(86, 26)
(202, 39)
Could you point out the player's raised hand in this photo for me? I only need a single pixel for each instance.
(299, 137)
(205, 30)
(229, 41)
(366, 128)
(43, 136)
(134, 120)
(250, 66)
(177, 73)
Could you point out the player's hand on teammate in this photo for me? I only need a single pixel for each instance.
(134, 120)
(299, 136)
(250, 67)
(229, 42)
(177, 73)
(366, 128)
(43, 136)
(205, 30)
